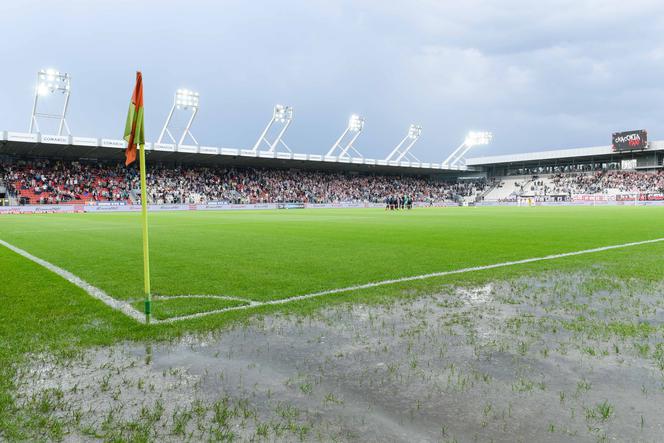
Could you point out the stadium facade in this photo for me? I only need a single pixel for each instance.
(74, 148)
(506, 172)
(592, 158)
(105, 149)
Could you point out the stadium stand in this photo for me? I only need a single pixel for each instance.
(43, 173)
(46, 181)
(564, 186)
(506, 188)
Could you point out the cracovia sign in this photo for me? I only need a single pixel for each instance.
(630, 140)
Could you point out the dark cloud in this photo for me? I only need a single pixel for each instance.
(538, 74)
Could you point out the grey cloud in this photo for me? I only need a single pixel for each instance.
(539, 74)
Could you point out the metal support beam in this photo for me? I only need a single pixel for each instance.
(457, 157)
(402, 150)
(50, 82)
(282, 115)
(184, 101)
(344, 145)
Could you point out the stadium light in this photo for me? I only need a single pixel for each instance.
(50, 82)
(355, 123)
(474, 138)
(282, 115)
(185, 100)
(414, 131)
(402, 150)
(345, 144)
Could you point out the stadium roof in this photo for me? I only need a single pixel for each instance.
(35, 144)
(595, 151)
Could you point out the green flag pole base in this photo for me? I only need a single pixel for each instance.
(148, 309)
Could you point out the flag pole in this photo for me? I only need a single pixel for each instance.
(146, 250)
(135, 136)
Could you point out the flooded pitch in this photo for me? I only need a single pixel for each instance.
(559, 358)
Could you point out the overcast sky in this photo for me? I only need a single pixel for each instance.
(539, 74)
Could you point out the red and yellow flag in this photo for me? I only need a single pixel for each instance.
(134, 132)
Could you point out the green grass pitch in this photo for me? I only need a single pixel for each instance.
(271, 255)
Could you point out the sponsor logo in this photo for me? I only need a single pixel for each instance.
(629, 140)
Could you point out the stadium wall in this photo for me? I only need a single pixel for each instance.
(68, 209)
(94, 208)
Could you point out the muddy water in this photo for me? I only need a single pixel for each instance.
(521, 361)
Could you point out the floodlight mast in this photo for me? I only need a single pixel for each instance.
(343, 145)
(185, 100)
(402, 150)
(282, 115)
(473, 138)
(50, 81)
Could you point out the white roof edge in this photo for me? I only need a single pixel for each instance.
(558, 153)
(206, 151)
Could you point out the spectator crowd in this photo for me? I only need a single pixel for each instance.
(564, 186)
(615, 182)
(46, 181)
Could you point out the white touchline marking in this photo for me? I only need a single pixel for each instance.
(94, 291)
(128, 310)
(218, 297)
(412, 278)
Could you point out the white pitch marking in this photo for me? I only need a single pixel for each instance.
(128, 310)
(216, 297)
(94, 291)
(412, 278)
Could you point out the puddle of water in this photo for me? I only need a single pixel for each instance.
(495, 363)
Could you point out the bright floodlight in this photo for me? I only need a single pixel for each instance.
(474, 138)
(355, 123)
(185, 99)
(344, 145)
(283, 114)
(414, 131)
(402, 150)
(50, 82)
(478, 138)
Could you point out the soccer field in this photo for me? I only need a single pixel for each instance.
(250, 259)
(271, 255)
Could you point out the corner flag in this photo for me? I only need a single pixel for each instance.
(135, 137)
(134, 132)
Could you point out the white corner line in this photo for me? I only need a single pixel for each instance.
(128, 310)
(94, 291)
(214, 297)
(412, 278)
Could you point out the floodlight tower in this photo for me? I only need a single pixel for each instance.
(403, 149)
(281, 116)
(50, 81)
(472, 139)
(185, 101)
(344, 144)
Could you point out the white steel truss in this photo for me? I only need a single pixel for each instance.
(50, 82)
(184, 101)
(282, 116)
(344, 144)
(457, 158)
(402, 150)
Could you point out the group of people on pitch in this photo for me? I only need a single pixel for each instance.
(394, 202)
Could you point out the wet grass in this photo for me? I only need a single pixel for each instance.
(41, 313)
(266, 255)
(392, 371)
